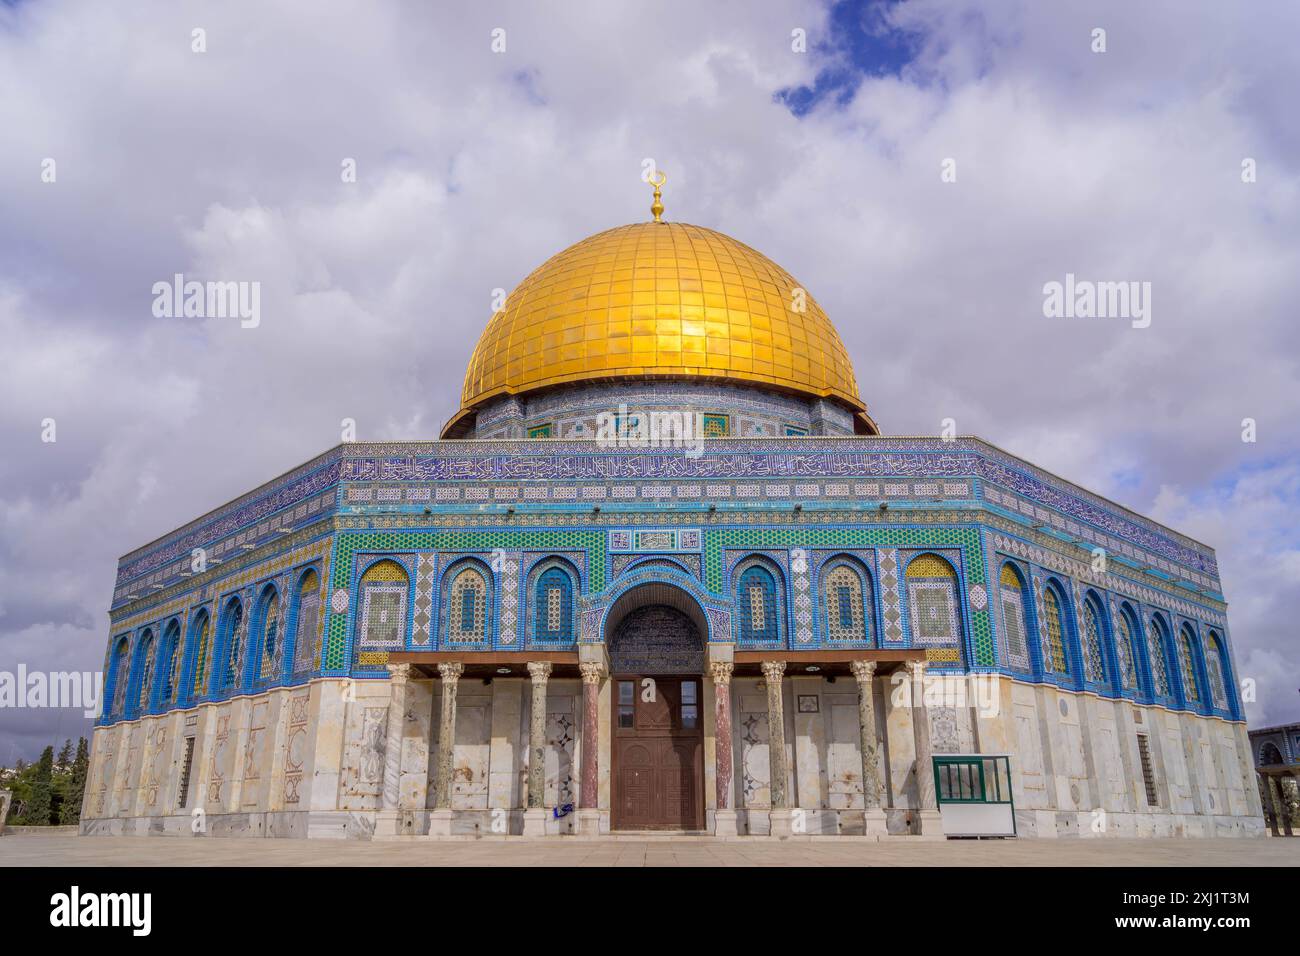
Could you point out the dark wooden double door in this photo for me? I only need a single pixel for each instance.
(658, 753)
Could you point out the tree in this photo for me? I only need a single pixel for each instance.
(70, 810)
(40, 806)
(64, 760)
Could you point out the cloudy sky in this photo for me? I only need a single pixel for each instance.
(473, 166)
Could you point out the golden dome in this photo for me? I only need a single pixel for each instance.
(659, 300)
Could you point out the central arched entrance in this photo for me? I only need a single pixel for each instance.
(655, 637)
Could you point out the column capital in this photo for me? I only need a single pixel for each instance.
(863, 670)
(399, 672)
(450, 672)
(917, 669)
(720, 671)
(773, 671)
(538, 671)
(593, 672)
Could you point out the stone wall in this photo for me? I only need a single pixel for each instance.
(309, 761)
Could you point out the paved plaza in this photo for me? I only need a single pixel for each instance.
(680, 851)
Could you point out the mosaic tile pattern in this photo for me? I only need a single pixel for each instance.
(428, 499)
(308, 493)
(509, 614)
(422, 620)
(347, 544)
(888, 574)
(803, 602)
(690, 563)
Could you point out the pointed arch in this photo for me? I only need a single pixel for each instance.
(143, 671)
(1092, 640)
(760, 610)
(201, 640)
(306, 624)
(1056, 658)
(268, 636)
(1012, 589)
(1158, 657)
(847, 599)
(228, 677)
(467, 600)
(1189, 654)
(169, 664)
(384, 591)
(1126, 631)
(934, 615)
(552, 592)
(118, 675)
(1216, 669)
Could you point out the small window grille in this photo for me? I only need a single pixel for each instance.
(186, 766)
(1148, 774)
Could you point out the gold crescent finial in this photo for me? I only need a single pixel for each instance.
(657, 181)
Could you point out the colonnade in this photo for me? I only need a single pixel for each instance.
(593, 674)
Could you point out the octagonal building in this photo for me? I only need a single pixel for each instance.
(662, 572)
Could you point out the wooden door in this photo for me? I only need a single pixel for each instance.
(658, 753)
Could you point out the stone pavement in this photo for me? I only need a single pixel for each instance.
(624, 851)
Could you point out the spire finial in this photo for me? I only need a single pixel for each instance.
(657, 181)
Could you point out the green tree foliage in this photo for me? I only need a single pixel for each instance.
(38, 809)
(49, 792)
(75, 787)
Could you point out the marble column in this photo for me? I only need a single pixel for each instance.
(724, 814)
(1270, 811)
(1277, 792)
(864, 672)
(440, 817)
(388, 822)
(780, 815)
(589, 784)
(928, 807)
(535, 815)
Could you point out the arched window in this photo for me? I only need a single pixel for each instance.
(467, 607)
(144, 669)
(932, 602)
(846, 603)
(269, 638)
(1011, 588)
(118, 675)
(307, 635)
(1124, 647)
(170, 664)
(1156, 657)
(1214, 668)
(202, 653)
(1187, 658)
(758, 613)
(1054, 658)
(232, 639)
(553, 605)
(1094, 663)
(1269, 755)
(384, 588)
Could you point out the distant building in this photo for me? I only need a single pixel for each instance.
(1277, 761)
